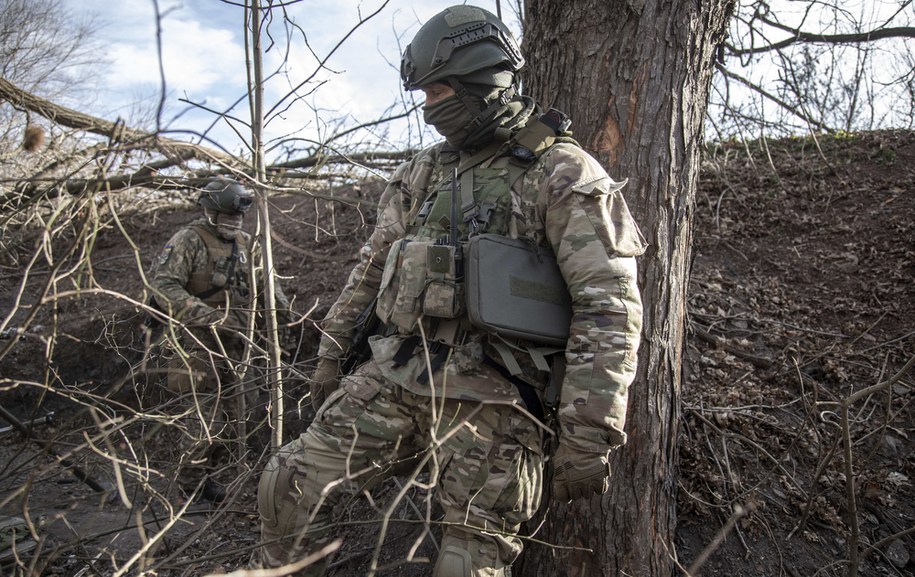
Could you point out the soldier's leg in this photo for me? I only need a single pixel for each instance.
(360, 434)
(191, 380)
(489, 486)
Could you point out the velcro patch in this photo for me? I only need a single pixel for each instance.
(165, 254)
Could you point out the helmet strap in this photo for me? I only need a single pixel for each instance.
(213, 216)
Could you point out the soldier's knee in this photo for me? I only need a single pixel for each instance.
(191, 375)
(454, 562)
(273, 495)
(469, 558)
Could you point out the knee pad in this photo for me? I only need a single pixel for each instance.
(272, 492)
(454, 562)
(457, 560)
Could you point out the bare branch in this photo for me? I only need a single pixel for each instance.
(116, 131)
(799, 36)
(787, 106)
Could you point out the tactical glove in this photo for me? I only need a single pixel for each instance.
(324, 380)
(578, 474)
(199, 315)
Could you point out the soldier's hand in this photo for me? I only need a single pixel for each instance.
(200, 315)
(324, 380)
(236, 320)
(577, 474)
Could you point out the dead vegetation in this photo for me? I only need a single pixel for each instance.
(797, 418)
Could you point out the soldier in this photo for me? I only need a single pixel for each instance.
(202, 278)
(463, 399)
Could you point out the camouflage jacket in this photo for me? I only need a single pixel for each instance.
(563, 200)
(185, 265)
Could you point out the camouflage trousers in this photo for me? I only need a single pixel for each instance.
(213, 404)
(486, 460)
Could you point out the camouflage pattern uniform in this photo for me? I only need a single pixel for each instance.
(466, 418)
(438, 392)
(204, 367)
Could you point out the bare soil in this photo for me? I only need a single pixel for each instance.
(801, 299)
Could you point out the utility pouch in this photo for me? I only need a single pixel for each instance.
(401, 285)
(515, 289)
(444, 293)
(225, 269)
(420, 278)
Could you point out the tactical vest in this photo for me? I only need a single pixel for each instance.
(423, 276)
(225, 273)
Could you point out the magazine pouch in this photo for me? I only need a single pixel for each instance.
(421, 277)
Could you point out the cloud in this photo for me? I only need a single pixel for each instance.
(204, 61)
(196, 58)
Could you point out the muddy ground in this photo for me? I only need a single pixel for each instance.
(802, 296)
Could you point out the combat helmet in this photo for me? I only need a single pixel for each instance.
(461, 41)
(225, 195)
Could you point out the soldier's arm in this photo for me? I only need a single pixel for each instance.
(595, 241)
(363, 282)
(183, 253)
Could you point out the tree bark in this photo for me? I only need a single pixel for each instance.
(634, 76)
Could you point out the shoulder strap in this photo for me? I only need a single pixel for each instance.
(526, 146)
(206, 235)
(465, 174)
(534, 139)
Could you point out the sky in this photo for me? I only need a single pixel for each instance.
(203, 58)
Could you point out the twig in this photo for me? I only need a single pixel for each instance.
(885, 540)
(291, 569)
(849, 467)
(74, 468)
(760, 362)
(739, 513)
(31, 422)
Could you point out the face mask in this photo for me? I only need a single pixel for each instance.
(228, 225)
(451, 119)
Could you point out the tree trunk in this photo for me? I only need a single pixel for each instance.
(634, 76)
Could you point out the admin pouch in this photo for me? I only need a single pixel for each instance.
(514, 289)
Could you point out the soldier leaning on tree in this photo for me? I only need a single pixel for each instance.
(451, 382)
(202, 278)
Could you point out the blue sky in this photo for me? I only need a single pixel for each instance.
(204, 61)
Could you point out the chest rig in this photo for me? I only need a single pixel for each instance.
(470, 195)
(224, 278)
(423, 276)
(481, 185)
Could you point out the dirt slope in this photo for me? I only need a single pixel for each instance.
(802, 294)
